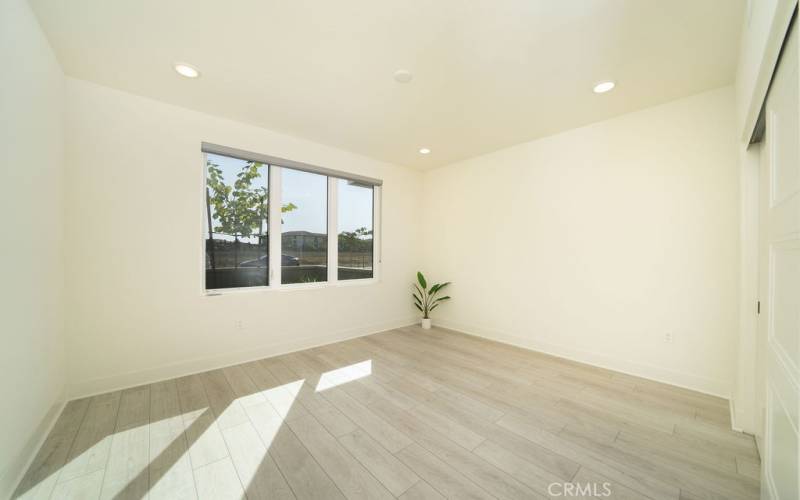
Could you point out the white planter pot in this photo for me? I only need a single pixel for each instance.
(426, 324)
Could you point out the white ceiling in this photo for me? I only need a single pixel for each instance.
(487, 73)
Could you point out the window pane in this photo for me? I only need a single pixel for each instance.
(304, 237)
(355, 230)
(236, 230)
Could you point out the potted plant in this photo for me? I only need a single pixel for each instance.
(426, 300)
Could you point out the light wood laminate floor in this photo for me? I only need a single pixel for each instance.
(407, 413)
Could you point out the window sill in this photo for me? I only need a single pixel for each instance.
(291, 287)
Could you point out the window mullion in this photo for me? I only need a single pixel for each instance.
(274, 225)
(333, 230)
(377, 248)
(207, 222)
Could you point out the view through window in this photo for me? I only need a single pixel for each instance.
(237, 225)
(355, 230)
(304, 231)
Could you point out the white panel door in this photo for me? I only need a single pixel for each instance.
(781, 306)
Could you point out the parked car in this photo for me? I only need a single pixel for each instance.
(286, 260)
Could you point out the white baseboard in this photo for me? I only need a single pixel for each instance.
(650, 372)
(189, 367)
(14, 472)
(760, 447)
(734, 419)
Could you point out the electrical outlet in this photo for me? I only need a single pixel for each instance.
(668, 337)
(239, 325)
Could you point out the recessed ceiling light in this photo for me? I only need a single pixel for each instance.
(424, 151)
(603, 87)
(187, 70)
(403, 76)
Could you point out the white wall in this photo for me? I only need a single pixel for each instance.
(594, 243)
(31, 176)
(134, 223)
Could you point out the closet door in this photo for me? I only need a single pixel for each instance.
(781, 245)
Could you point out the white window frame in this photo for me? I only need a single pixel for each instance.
(275, 168)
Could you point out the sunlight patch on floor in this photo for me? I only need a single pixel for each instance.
(282, 397)
(344, 375)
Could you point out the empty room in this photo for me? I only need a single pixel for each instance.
(489, 249)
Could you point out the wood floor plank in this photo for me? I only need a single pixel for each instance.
(218, 481)
(85, 487)
(278, 368)
(535, 477)
(479, 471)
(421, 491)
(404, 413)
(394, 475)
(409, 388)
(455, 431)
(191, 395)
(380, 430)
(671, 449)
(255, 467)
(170, 470)
(305, 364)
(471, 405)
(441, 476)
(40, 478)
(622, 421)
(590, 485)
(284, 399)
(226, 407)
(332, 418)
(242, 385)
(262, 378)
(327, 414)
(410, 424)
(126, 475)
(632, 477)
(350, 476)
(381, 370)
(266, 421)
(368, 344)
(702, 434)
(458, 354)
(748, 468)
(436, 367)
(387, 391)
(89, 452)
(203, 437)
(304, 475)
(645, 462)
(281, 394)
(134, 407)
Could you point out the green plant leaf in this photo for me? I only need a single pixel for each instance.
(438, 287)
(418, 307)
(421, 280)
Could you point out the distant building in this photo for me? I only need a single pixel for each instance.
(304, 239)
